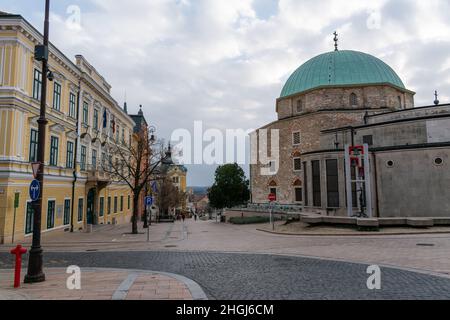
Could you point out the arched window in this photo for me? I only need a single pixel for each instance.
(273, 186)
(298, 191)
(353, 100)
(273, 183)
(299, 108)
(399, 102)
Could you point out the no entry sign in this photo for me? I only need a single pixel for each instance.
(272, 197)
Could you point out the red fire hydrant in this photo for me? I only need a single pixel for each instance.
(18, 251)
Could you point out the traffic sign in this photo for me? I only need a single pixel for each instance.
(35, 166)
(35, 190)
(272, 197)
(148, 201)
(16, 200)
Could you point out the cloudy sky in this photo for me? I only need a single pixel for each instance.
(225, 61)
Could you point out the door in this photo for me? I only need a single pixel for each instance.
(90, 207)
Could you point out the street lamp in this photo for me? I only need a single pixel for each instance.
(35, 262)
(148, 215)
(152, 131)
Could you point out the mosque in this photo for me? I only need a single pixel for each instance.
(352, 142)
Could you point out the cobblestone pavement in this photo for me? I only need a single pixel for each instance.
(97, 284)
(252, 276)
(430, 252)
(239, 262)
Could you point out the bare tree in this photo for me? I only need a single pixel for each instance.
(134, 162)
(168, 195)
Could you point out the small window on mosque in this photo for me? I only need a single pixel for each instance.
(299, 106)
(353, 100)
(296, 138)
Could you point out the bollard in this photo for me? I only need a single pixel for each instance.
(18, 252)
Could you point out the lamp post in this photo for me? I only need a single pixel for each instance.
(35, 262)
(148, 216)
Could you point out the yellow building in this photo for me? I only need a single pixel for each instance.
(78, 91)
(178, 175)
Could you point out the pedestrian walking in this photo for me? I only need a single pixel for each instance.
(195, 217)
(183, 216)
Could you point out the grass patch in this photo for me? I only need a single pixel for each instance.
(251, 220)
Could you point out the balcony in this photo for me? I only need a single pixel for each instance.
(97, 175)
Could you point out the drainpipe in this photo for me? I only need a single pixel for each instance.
(376, 182)
(75, 157)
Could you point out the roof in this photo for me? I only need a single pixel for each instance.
(340, 68)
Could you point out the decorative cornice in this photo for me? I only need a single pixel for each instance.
(87, 96)
(57, 128)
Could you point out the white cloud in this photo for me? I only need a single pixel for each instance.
(217, 61)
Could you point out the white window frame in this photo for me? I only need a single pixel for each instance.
(293, 164)
(82, 212)
(293, 138)
(70, 211)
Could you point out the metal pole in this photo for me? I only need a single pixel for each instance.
(148, 228)
(14, 225)
(35, 262)
(271, 218)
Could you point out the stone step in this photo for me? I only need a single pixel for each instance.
(420, 222)
(367, 223)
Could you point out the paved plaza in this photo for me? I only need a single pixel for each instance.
(240, 262)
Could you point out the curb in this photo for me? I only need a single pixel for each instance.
(377, 234)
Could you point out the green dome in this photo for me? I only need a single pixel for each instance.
(340, 68)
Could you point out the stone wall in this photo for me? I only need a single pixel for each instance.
(310, 127)
(369, 97)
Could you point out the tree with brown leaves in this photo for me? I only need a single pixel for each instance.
(135, 163)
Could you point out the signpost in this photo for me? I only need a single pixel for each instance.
(35, 166)
(148, 204)
(272, 198)
(16, 205)
(35, 190)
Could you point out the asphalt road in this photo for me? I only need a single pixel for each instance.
(227, 276)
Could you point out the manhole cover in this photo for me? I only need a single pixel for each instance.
(425, 244)
(170, 246)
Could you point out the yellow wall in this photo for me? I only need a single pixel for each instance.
(18, 114)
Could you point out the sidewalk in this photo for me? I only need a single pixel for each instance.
(103, 284)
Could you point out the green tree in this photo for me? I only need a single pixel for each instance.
(230, 187)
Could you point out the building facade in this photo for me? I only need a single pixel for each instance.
(349, 98)
(83, 118)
